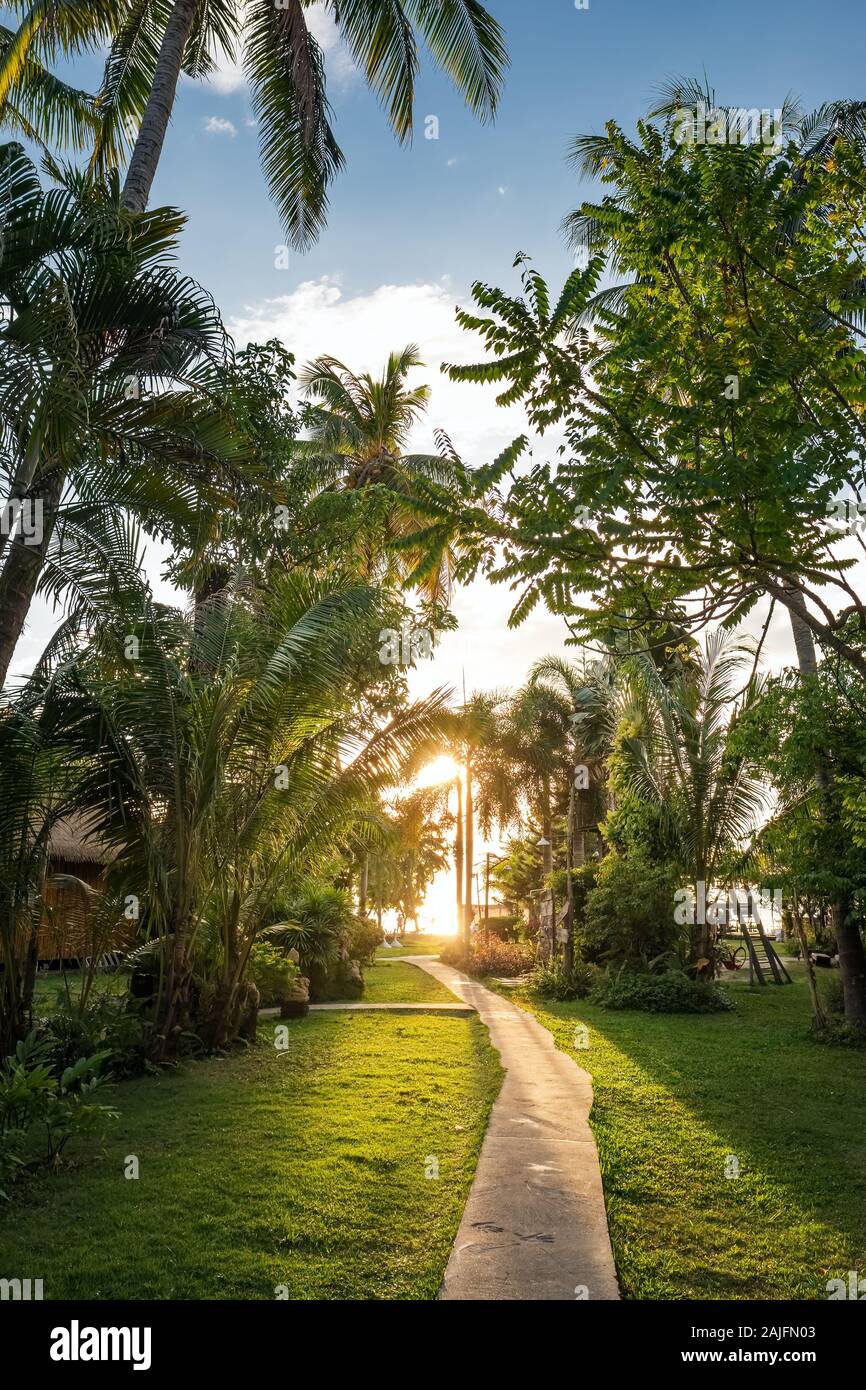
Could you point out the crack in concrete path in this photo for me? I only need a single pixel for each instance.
(538, 1181)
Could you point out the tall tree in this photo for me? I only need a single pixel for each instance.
(107, 389)
(359, 429)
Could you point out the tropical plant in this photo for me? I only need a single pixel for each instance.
(224, 763)
(109, 361)
(359, 430)
(37, 778)
(682, 762)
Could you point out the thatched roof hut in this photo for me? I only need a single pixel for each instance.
(73, 841)
(80, 857)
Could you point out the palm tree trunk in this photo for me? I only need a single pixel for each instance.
(547, 826)
(21, 571)
(362, 887)
(151, 135)
(458, 858)
(569, 882)
(469, 854)
(852, 957)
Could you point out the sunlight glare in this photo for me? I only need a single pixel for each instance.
(437, 773)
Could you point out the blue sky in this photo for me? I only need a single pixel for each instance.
(401, 214)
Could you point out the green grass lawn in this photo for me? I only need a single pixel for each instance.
(303, 1168)
(398, 982)
(413, 944)
(675, 1095)
(51, 986)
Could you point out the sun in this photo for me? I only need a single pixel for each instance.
(436, 773)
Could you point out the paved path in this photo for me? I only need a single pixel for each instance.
(362, 1006)
(534, 1226)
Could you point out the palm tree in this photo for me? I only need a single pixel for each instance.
(590, 692)
(484, 790)
(227, 764)
(108, 362)
(359, 429)
(539, 732)
(153, 42)
(36, 781)
(681, 762)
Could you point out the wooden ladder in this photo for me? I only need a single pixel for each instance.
(762, 953)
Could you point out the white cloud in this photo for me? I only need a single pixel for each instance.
(228, 75)
(361, 330)
(216, 125)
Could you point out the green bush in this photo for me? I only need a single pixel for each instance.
(107, 1025)
(490, 956)
(671, 992)
(37, 1104)
(553, 981)
(629, 918)
(831, 992)
(363, 939)
(272, 973)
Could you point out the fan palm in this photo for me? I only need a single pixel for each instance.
(359, 428)
(98, 325)
(154, 42)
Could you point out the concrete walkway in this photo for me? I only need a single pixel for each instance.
(361, 1006)
(534, 1226)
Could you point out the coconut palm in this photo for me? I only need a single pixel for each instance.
(154, 42)
(108, 367)
(359, 430)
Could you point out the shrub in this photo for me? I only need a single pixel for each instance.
(505, 928)
(272, 973)
(831, 992)
(363, 939)
(553, 981)
(671, 992)
(108, 1026)
(629, 916)
(37, 1103)
(490, 956)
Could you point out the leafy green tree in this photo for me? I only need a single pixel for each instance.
(715, 411)
(813, 845)
(713, 417)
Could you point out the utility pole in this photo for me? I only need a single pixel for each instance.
(487, 889)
